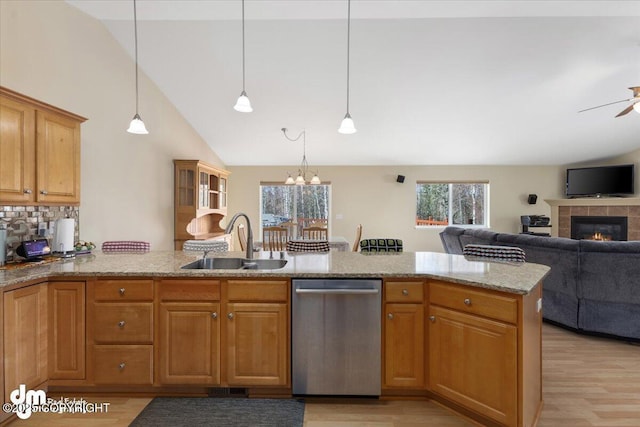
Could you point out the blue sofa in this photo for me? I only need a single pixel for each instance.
(592, 286)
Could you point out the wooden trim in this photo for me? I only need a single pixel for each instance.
(4, 91)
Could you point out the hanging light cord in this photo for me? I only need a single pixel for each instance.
(304, 165)
(243, 90)
(348, 47)
(135, 37)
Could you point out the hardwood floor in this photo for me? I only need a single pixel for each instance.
(587, 381)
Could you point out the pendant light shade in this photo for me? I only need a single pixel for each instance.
(347, 127)
(137, 125)
(243, 104)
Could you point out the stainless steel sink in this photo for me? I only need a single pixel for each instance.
(235, 264)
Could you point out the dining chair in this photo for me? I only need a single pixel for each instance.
(242, 237)
(356, 242)
(291, 227)
(381, 245)
(274, 238)
(315, 233)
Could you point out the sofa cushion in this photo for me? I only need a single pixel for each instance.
(450, 238)
(477, 236)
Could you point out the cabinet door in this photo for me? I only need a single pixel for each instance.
(17, 152)
(66, 330)
(257, 344)
(189, 343)
(25, 337)
(58, 154)
(404, 346)
(473, 361)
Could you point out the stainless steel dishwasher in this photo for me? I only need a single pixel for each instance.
(336, 337)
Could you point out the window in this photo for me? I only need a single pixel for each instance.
(297, 205)
(457, 203)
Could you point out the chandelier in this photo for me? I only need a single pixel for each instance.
(301, 179)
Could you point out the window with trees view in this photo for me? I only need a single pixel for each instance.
(296, 206)
(457, 203)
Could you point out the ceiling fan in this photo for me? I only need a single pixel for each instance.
(635, 103)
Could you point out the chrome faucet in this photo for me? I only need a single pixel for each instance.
(229, 228)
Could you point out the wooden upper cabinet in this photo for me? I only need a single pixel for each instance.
(17, 151)
(39, 152)
(58, 154)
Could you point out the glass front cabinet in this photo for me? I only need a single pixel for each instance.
(200, 201)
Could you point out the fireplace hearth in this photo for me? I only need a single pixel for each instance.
(603, 228)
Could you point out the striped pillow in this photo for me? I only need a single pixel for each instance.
(502, 253)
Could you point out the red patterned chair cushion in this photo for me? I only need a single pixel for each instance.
(125, 246)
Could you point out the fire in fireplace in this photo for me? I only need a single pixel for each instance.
(602, 228)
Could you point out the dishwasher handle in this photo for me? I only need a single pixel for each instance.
(337, 291)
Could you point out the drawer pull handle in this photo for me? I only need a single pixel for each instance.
(27, 191)
(230, 316)
(467, 301)
(390, 316)
(121, 323)
(432, 318)
(44, 192)
(405, 292)
(121, 366)
(122, 291)
(214, 315)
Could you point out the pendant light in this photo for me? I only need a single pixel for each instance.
(301, 179)
(347, 127)
(137, 125)
(243, 104)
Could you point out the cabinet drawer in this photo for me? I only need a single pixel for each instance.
(189, 290)
(123, 364)
(123, 323)
(123, 290)
(474, 301)
(403, 291)
(258, 290)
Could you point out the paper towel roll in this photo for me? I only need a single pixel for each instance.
(65, 232)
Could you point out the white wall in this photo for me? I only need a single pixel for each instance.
(57, 54)
(371, 196)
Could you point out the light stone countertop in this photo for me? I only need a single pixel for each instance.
(517, 278)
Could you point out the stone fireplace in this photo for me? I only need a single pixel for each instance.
(562, 210)
(603, 228)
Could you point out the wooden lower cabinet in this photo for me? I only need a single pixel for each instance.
(404, 339)
(404, 335)
(189, 343)
(120, 331)
(474, 362)
(66, 330)
(257, 344)
(25, 337)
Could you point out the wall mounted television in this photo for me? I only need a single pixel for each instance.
(600, 181)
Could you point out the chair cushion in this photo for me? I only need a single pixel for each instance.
(125, 246)
(205, 246)
(308, 246)
(381, 245)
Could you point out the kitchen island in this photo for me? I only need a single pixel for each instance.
(463, 332)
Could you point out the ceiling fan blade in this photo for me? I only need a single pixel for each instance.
(604, 105)
(625, 111)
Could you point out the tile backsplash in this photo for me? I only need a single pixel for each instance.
(22, 223)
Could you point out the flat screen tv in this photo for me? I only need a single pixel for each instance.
(600, 181)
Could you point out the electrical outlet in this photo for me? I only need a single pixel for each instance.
(539, 305)
(42, 229)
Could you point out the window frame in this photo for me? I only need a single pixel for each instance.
(487, 199)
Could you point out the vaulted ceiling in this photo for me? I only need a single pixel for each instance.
(432, 82)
